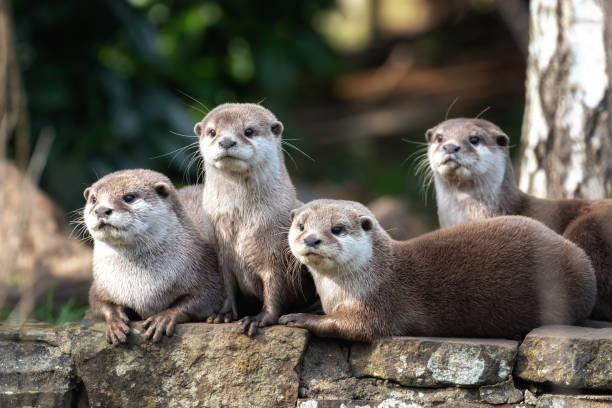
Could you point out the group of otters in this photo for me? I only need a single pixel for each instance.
(502, 264)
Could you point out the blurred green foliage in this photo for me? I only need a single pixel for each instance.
(112, 76)
(117, 78)
(50, 312)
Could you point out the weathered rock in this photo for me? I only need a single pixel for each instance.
(33, 369)
(571, 401)
(435, 362)
(567, 356)
(504, 393)
(326, 375)
(201, 365)
(530, 398)
(391, 403)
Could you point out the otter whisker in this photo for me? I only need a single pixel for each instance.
(413, 142)
(290, 156)
(418, 151)
(193, 99)
(482, 112)
(194, 108)
(182, 134)
(177, 151)
(450, 107)
(298, 149)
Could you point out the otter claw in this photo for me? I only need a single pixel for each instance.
(117, 331)
(250, 324)
(159, 324)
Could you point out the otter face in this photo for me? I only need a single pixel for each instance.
(463, 149)
(238, 137)
(331, 237)
(129, 207)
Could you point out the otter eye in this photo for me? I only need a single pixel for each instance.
(248, 132)
(474, 140)
(439, 138)
(128, 198)
(337, 229)
(212, 133)
(93, 199)
(301, 227)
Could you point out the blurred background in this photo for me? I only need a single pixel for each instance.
(95, 87)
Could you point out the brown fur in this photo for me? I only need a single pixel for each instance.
(190, 294)
(588, 223)
(491, 278)
(249, 207)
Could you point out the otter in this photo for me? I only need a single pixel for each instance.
(473, 179)
(497, 277)
(248, 195)
(150, 260)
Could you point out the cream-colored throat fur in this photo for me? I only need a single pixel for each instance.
(457, 206)
(142, 278)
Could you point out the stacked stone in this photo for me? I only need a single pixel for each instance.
(205, 365)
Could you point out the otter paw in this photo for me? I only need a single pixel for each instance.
(294, 319)
(159, 324)
(221, 317)
(117, 329)
(251, 323)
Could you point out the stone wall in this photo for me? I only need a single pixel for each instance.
(213, 366)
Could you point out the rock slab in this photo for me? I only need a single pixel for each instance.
(201, 365)
(435, 362)
(567, 356)
(33, 369)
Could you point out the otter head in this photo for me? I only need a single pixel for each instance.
(332, 236)
(463, 149)
(236, 137)
(130, 207)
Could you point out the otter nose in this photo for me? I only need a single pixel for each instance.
(103, 212)
(451, 148)
(312, 242)
(227, 143)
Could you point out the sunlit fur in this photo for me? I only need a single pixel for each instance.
(469, 174)
(148, 255)
(483, 186)
(248, 195)
(340, 261)
(499, 277)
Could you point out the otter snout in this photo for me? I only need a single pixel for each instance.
(312, 241)
(227, 143)
(451, 148)
(103, 212)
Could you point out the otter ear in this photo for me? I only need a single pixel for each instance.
(276, 128)
(502, 139)
(86, 193)
(292, 214)
(198, 129)
(366, 222)
(162, 189)
(428, 135)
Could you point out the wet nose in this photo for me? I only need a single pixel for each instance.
(451, 148)
(312, 241)
(227, 143)
(103, 212)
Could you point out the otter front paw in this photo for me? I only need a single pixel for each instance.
(159, 323)
(251, 323)
(227, 314)
(117, 328)
(296, 320)
(221, 317)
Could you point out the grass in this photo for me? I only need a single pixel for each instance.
(52, 313)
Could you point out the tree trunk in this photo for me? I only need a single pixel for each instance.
(566, 136)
